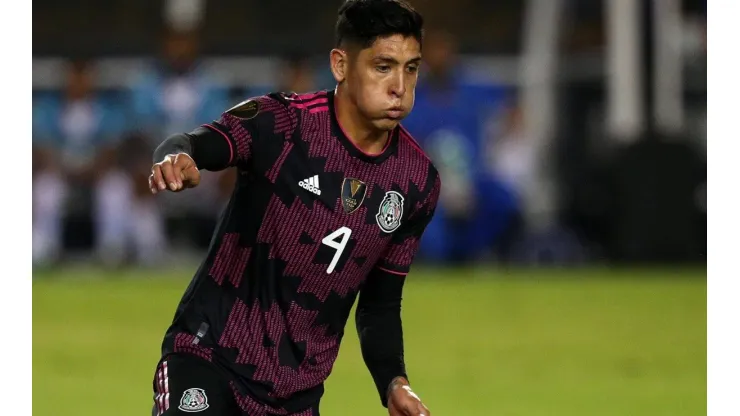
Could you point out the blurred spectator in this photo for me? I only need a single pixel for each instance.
(298, 75)
(511, 152)
(176, 94)
(74, 137)
(175, 91)
(512, 159)
(449, 119)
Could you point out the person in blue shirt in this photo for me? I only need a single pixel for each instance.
(449, 120)
(176, 89)
(173, 93)
(74, 134)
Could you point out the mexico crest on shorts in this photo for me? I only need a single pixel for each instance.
(193, 400)
(353, 193)
(390, 212)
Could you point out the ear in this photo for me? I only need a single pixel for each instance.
(338, 62)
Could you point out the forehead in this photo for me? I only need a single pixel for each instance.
(397, 46)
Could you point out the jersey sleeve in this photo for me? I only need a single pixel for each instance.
(405, 241)
(245, 125)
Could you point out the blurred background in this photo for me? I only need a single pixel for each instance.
(571, 139)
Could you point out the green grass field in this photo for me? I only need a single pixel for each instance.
(527, 343)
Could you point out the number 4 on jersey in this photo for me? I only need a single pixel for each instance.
(331, 241)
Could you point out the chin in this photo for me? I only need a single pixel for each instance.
(386, 124)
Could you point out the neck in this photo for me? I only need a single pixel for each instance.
(360, 132)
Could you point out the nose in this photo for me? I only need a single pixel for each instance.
(398, 85)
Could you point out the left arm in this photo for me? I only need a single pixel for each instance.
(378, 319)
(378, 314)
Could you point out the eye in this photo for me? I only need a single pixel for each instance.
(383, 68)
(412, 68)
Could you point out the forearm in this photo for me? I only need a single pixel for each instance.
(207, 147)
(381, 341)
(380, 330)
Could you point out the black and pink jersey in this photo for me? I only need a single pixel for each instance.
(310, 218)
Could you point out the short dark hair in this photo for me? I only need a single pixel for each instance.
(363, 21)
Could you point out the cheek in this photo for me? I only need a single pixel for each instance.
(372, 94)
(411, 82)
(410, 92)
(374, 85)
(363, 86)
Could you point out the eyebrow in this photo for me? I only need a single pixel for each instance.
(391, 60)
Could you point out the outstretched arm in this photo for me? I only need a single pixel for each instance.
(215, 146)
(208, 147)
(177, 160)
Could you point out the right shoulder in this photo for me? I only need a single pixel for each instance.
(307, 101)
(254, 106)
(265, 110)
(277, 113)
(279, 102)
(283, 110)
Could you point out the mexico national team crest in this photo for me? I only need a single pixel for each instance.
(193, 400)
(390, 212)
(353, 193)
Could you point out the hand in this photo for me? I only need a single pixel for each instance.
(174, 172)
(402, 401)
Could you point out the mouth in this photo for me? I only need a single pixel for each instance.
(395, 113)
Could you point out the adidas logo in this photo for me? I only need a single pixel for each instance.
(311, 184)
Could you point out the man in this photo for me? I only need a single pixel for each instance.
(332, 198)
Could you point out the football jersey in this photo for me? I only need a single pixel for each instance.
(311, 216)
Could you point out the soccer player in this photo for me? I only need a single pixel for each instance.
(332, 198)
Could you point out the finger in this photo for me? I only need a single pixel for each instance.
(169, 175)
(189, 172)
(177, 176)
(158, 179)
(152, 186)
